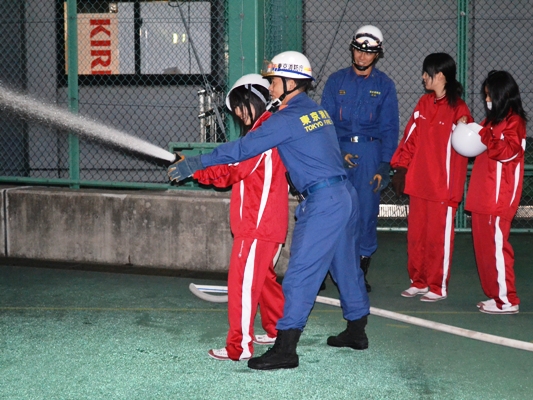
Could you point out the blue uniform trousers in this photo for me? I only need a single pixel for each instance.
(369, 157)
(325, 238)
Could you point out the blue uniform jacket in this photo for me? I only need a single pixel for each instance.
(364, 106)
(304, 135)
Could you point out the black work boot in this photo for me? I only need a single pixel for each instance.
(353, 336)
(365, 264)
(282, 354)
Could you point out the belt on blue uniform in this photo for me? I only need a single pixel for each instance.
(323, 184)
(357, 139)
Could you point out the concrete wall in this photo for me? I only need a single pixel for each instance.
(2, 225)
(182, 230)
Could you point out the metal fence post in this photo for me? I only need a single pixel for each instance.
(73, 140)
(246, 42)
(295, 18)
(462, 76)
(462, 45)
(286, 26)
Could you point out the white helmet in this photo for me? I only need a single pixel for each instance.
(289, 64)
(466, 140)
(369, 39)
(248, 81)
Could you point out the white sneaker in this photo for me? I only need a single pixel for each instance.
(489, 308)
(487, 302)
(264, 339)
(413, 291)
(219, 354)
(431, 297)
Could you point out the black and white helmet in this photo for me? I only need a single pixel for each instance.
(369, 39)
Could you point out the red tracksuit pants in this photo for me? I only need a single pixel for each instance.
(430, 236)
(252, 282)
(495, 258)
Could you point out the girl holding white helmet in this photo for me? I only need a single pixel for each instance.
(494, 191)
(258, 220)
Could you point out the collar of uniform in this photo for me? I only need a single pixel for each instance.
(371, 74)
(298, 96)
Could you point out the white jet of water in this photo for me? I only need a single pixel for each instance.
(59, 118)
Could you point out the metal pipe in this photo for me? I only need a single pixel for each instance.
(73, 95)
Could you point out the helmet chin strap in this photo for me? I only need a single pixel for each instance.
(287, 92)
(273, 105)
(362, 69)
(282, 97)
(359, 68)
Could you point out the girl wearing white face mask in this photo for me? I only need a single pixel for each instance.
(495, 189)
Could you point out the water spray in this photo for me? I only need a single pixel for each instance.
(59, 118)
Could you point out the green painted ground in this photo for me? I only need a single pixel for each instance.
(71, 333)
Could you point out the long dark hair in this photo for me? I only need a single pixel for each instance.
(243, 97)
(505, 96)
(443, 62)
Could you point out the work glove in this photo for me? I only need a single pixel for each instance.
(347, 159)
(184, 167)
(382, 176)
(398, 180)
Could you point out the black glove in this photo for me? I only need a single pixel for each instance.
(382, 176)
(398, 180)
(347, 159)
(184, 167)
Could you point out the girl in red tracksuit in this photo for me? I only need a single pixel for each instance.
(495, 189)
(433, 174)
(258, 220)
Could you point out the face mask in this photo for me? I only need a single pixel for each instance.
(489, 105)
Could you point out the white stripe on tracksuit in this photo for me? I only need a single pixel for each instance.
(249, 269)
(447, 247)
(246, 307)
(449, 225)
(500, 264)
(498, 239)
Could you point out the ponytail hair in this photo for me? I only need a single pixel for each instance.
(443, 62)
(505, 96)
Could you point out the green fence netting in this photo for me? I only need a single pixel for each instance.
(158, 70)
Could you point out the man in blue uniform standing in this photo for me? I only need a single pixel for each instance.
(363, 104)
(326, 230)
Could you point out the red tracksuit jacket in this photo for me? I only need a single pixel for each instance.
(435, 171)
(497, 176)
(257, 210)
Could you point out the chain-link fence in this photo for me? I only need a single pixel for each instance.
(159, 70)
(153, 69)
(414, 29)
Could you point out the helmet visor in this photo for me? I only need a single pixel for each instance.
(366, 42)
(268, 68)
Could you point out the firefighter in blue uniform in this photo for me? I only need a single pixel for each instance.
(363, 104)
(326, 231)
